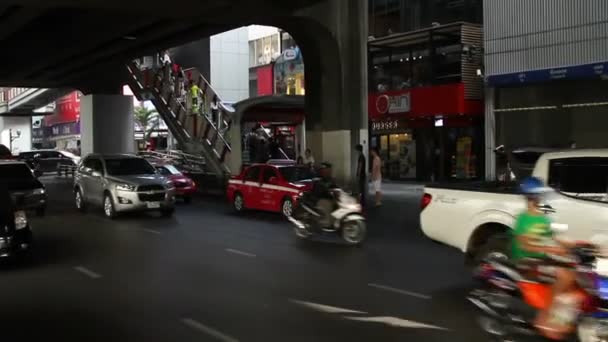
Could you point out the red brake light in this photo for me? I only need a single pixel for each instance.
(426, 200)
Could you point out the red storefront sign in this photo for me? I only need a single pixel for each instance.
(67, 109)
(265, 80)
(441, 100)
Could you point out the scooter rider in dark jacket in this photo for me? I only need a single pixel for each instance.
(322, 193)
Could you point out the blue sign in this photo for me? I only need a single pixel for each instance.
(577, 72)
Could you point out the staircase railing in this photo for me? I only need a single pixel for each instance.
(197, 133)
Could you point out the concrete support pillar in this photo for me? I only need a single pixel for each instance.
(16, 133)
(490, 135)
(106, 124)
(235, 158)
(301, 139)
(333, 38)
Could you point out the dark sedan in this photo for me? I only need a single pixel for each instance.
(15, 230)
(45, 161)
(24, 187)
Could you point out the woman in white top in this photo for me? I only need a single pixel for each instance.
(377, 176)
(309, 160)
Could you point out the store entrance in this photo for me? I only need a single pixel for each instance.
(398, 154)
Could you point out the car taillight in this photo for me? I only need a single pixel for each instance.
(426, 200)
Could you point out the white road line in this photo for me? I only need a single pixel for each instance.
(151, 231)
(403, 292)
(326, 308)
(397, 322)
(87, 272)
(235, 251)
(208, 330)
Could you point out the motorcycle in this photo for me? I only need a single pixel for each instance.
(346, 220)
(509, 300)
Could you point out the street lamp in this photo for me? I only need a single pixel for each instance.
(14, 137)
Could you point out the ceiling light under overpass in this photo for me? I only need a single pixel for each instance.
(129, 37)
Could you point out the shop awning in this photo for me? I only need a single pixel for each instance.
(272, 108)
(418, 37)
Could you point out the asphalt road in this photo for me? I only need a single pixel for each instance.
(210, 275)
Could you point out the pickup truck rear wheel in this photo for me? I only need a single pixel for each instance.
(495, 248)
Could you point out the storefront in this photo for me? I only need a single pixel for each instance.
(427, 133)
(62, 129)
(289, 73)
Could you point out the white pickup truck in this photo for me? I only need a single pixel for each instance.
(475, 217)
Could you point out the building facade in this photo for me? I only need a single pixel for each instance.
(546, 68)
(276, 65)
(425, 97)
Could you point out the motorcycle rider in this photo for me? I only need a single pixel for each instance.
(532, 241)
(322, 193)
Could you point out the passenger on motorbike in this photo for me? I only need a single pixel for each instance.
(533, 240)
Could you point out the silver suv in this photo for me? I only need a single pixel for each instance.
(121, 183)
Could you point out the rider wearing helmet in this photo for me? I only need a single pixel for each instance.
(533, 239)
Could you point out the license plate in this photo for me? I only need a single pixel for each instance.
(153, 205)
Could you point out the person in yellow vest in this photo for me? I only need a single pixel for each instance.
(194, 91)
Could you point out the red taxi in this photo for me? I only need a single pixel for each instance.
(269, 187)
(184, 186)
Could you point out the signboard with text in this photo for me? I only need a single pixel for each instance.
(440, 100)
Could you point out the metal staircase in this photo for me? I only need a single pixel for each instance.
(196, 134)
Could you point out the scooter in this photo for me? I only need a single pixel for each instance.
(509, 300)
(346, 220)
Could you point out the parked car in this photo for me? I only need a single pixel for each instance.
(122, 183)
(269, 187)
(184, 186)
(475, 217)
(45, 161)
(16, 233)
(5, 152)
(23, 186)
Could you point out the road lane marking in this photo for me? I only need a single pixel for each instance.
(236, 251)
(400, 291)
(362, 316)
(87, 272)
(208, 330)
(151, 231)
(397, 322)
(326, 308)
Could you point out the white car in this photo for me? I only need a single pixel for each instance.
(474, 218)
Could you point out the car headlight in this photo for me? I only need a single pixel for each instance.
(125, 187)
(39, 191)
(169, 186)
(20, 219)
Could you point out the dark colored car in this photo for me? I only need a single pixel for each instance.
(184, 186)
(24, 187)
(15, 231)
(5, 153)
(45, 161)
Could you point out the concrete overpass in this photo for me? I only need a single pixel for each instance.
(85, 44)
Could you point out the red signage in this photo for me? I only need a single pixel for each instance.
(67, 109)
(441, 100)
(265, 80)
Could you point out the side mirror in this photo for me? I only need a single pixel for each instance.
(96, 174)
(273, 180)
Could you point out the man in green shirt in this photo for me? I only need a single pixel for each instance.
(533, 239)
(194, 96)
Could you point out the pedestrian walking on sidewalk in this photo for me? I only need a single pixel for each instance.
(361, 175)
(309, 160)
(377, 176)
